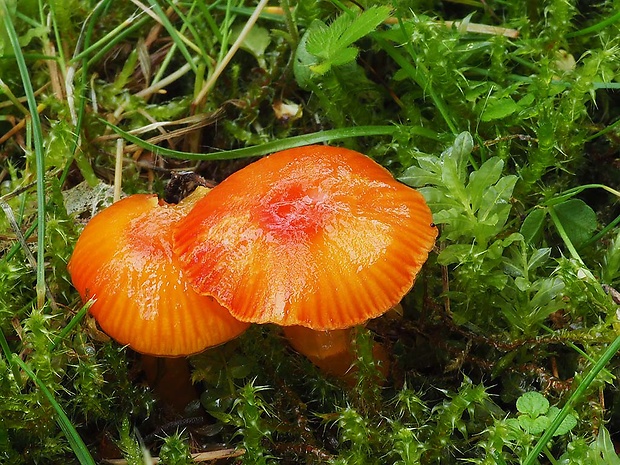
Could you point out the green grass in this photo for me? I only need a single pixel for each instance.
(512, 139)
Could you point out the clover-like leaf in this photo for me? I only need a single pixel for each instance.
(533, 403)
(567, 424)
(534, 425)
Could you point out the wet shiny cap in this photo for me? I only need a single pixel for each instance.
(124, 261)
(317, 236)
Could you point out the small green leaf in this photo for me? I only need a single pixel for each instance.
(531, 228)
(611, 263)
(512, 269)
(533, 403)
(345, 30)
(511, 239)
(460, 151)
(304, 59)
(577, 219)
(549, 288)
(454, 253)
(457, 224)
(480, 180)
(522, 284)
(255, 43)
(428, 172)
(33, 33)
(332, 44)
(437, 201)
(538, 258)
(238, 367)
(526, 100)
(432, 164)
(534, 425)
(604, 448)
(496, 200)
(345, 56)
(567, 424)
(454, 167)
(499, 109)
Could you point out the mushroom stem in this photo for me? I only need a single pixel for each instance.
(170, 379)
(332, 351)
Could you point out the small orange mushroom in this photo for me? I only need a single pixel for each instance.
(318, 237)
(124, 262)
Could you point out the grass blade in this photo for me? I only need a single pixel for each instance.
(37, 132)
(264, 149)
(174, 34)
(79, 316)
(78, 446)
(595, 28)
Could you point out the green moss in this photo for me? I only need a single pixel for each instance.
(510, 137)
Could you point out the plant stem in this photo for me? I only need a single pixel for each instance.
(558, 225)
(595, 27)
(290, 24)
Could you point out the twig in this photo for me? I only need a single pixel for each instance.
(465, 25)
(20, 125)
(483, 29)
(191, 120)
(478, 28)
(197, 121)
(198, 457)
(118, 169)
(149, 11)
(145, 93)
(52, 65)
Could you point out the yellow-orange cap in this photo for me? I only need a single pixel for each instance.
(124, 260)
(317, 236)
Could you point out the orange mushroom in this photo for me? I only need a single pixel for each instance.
(318, 237)
(124, 261)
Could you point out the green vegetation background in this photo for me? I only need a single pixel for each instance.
(505, 119)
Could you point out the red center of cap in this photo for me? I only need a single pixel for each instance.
(294, 213)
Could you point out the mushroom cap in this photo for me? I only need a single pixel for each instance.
(124, 261)
(317, 236)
